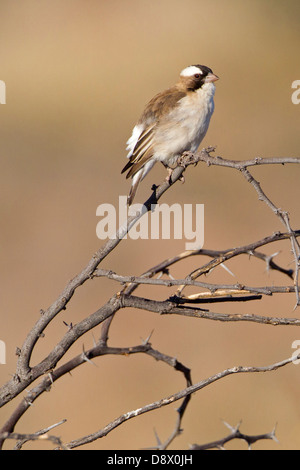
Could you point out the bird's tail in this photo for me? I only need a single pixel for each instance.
(136, 179)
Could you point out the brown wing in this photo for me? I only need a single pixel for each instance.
(156, 109)
(162, 104)
(142, 151)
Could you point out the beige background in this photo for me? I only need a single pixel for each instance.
(78, 74)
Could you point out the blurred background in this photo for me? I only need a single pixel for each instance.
(77, 75)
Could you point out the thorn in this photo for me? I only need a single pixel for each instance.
(227, 269)
(232, 428)
(165, 271)
(70, 326)
(86, 359)
(158, 441)
(269, 259)
(146, 341)
(50, 377)
(272, 434)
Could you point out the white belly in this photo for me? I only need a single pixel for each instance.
(185, 127)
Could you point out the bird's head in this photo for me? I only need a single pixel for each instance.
(195, 76)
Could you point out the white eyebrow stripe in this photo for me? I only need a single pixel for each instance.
(191, 70)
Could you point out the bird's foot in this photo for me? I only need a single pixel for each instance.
(169, 175)
(168, 178)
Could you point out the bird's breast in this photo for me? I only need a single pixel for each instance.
(185, 126)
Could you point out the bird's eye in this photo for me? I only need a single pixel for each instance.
(197, 75)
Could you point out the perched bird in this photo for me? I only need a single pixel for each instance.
(174, 121)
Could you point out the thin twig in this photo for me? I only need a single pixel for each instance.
(235, 434)
(215, 290)
(40, 435)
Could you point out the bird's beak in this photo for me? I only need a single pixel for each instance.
(211, 77)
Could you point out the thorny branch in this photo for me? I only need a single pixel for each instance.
(173, 398)
(47, 369)
(40, 435)
(235, 434)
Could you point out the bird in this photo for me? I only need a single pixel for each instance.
(174, 121)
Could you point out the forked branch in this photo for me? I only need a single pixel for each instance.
(177, 302)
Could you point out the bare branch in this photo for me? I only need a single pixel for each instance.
(39, 435)
(282, 215)
(85, 357)
(212, 290)
(235, 434)
(48, 370)
(169, 307)
(173, 398)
